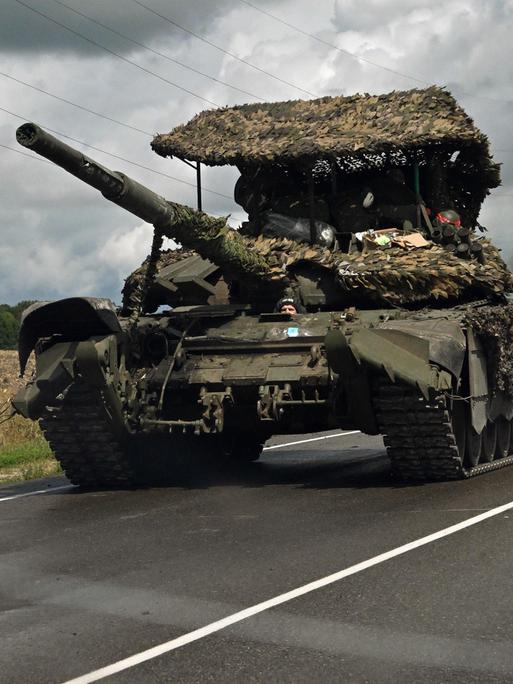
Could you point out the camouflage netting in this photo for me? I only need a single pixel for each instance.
(494, 324)
(392, 277)
(424, 276)
(213, 239)
(358, 133)
(134, 288)
(329, 127)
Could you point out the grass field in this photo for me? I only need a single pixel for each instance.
(24, 453)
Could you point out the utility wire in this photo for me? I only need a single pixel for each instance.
(116, 54)
(178, 180)
(156, 52)
(45, 161)
(226, 52)
(353, 55)
(111, 154)
(74, 104)
(331, 45)
(26, 154)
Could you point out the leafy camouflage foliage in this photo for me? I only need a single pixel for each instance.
(328, 127)
(391, 277)
(494, 324)
(356, 135)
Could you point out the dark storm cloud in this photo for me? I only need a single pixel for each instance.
(25, 31)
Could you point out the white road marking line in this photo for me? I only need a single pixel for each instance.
(275, 446)
(37, 491)
(312, 439)
(203, 632)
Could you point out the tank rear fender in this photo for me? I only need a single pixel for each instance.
(59, 365)
(76, 318)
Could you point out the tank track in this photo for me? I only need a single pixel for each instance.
(78, 430)
(420, 439)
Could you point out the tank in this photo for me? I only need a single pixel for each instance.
(360, 294)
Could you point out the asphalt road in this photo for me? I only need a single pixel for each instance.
(90, 578)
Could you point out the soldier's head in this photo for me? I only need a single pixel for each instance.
(287, 305)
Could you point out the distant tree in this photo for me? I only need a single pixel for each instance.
(9, 328)
(18, 308)
(10, 317)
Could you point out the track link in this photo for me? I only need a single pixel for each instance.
(79, 432)
(420, 439)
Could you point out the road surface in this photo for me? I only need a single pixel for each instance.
(90, 579)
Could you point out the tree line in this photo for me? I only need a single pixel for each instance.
(10, 323)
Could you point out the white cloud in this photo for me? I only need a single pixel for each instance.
(59, 237)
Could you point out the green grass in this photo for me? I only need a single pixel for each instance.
(27, 452)
(27, 461)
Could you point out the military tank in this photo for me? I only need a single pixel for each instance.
(363, 214)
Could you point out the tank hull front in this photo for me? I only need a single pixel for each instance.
(226, 380)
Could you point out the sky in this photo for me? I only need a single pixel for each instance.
(112, 73)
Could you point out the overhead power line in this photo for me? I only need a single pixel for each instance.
(359, 58)
(353, 55)
(75, 104)
(156, 52)
(26, 154)
(116, 54)
(226, 52)
(112, 154)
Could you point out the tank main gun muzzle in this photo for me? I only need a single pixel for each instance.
(114, 186)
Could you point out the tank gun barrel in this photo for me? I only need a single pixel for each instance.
(211, 237)
(114, 185)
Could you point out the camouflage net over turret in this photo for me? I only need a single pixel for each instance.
(396, 277)
(355, 133)
(424, 276)
(213, 239)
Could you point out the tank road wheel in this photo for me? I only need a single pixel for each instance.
(489, 442)
(503, 437)
(426, 439)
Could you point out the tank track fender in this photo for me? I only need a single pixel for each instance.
(59, 366)
(477, 381)
(402, 357)
(446, 339)
(75, 318)
(353, 382)
(55, 372)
